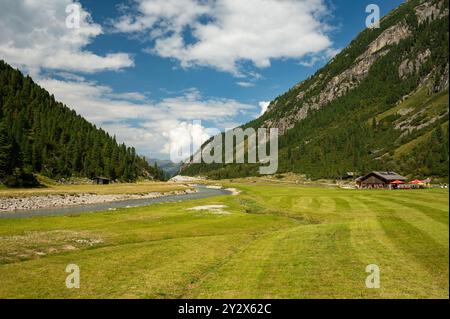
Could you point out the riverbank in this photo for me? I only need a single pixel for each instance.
(78, 189)
(11, 204)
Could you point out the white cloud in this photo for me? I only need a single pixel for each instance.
(245, 84)
(97, 103)
(185, 139)
(34, 35)
(145, 124)
(173, 16)
(192, 106)
(326, 56)
(263, 105)
(145, 141)
(228, 32)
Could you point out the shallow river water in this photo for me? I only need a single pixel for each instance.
(203, 192)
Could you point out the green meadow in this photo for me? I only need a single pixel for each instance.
(271, 241)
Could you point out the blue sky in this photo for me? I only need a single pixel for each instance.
(155, 74)
(142, 68)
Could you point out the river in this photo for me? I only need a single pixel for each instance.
(202, 192)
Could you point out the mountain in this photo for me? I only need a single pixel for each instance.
(41, 135)
(169, 167)
(380, 104)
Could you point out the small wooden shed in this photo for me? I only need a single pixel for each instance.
(99, 180)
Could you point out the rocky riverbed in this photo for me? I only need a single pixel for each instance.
(66, 200)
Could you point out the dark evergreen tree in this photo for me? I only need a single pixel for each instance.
(5, 151)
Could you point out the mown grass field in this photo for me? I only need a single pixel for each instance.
(271, 241)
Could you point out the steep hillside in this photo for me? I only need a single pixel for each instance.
(41, 135)
(382, 103)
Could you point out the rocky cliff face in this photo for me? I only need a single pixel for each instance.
(335, 86)
(429, 11)
(408, 67)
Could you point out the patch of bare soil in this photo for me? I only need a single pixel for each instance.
(35, 244)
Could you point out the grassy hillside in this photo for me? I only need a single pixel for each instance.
(388, 88)
(269, 242)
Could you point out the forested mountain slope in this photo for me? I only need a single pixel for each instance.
(381, 103)
(41, 135)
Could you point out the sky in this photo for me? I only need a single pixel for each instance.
(148, 71)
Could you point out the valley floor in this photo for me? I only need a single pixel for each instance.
(271, 241)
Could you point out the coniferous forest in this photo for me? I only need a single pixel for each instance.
(41, 135)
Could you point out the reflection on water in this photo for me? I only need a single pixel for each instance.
(203, 192)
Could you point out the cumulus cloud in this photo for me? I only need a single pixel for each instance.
(186, 138)
(263, 105)
(34, 35)
(224, 33)
(153, 127)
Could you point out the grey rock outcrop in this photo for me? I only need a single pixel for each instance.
(342, 83)
(408, 67)
(429, 11)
